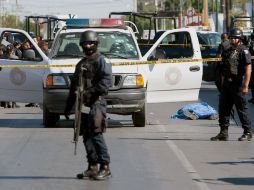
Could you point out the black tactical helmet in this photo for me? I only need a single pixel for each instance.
(88, 36)
(236, 32)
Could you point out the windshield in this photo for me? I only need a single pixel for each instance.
(212, 40)
(113, 45)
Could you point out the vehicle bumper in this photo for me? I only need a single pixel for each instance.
(55, 99)
(124, 101)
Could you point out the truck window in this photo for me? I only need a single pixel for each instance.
(15, 45)
(209, 43)
(111, 44)
(176, 45)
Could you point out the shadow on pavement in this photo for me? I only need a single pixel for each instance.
(33, 177)
(246, 161)
(165, 139)
(21, 123)
(229, 180)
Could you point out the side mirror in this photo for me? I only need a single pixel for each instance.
(160, 54)
(157, 54)
(152, 58)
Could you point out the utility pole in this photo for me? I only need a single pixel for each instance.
(205, 7)
(216, 16)
(199, 7)
(227, 7)
(181, 13)
(223, 6)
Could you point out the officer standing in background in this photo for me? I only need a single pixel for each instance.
(224, 45)
(236, 72)
(97, 77)
(251, 49)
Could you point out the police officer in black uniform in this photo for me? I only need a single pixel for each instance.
(236, 72)
(97, 75)
(224, 45)
(251, 85)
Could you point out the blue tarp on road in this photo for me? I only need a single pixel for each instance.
(193, 111)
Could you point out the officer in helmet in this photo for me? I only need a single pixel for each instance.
(97, 77)
(236, 72)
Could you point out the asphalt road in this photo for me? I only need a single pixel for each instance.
(165, 155)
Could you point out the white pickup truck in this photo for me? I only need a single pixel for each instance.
(46, 80)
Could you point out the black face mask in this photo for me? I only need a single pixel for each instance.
(90, 51)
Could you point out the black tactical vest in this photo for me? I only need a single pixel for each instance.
(231, 59)
(89, 74)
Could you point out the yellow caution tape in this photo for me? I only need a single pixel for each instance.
(160, 61)
(180, 45)
(36, 66)
(165, 61)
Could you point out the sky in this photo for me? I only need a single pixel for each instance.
(82, 8)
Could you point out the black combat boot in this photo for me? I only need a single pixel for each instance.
(91, 171)
(104, 173)
(222, 136)
(246, 136)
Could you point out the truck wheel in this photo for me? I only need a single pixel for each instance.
(49, 118)
(139, 118)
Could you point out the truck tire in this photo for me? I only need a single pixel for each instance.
(139, 118)
(49, 118)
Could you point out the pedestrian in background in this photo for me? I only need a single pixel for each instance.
(17, 50)
(44, 47)
(236, 72)
(97, 77)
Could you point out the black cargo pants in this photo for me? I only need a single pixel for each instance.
(231, 95)
(95, 145)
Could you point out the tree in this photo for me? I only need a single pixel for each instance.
(11, 21)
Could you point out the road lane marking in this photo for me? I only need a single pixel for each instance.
(186, 163)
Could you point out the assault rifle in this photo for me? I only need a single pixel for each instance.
(78, 108)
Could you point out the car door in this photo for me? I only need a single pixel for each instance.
(17, 83)
(177, 81)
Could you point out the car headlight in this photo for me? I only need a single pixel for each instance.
(133, 80)
(56, 80)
